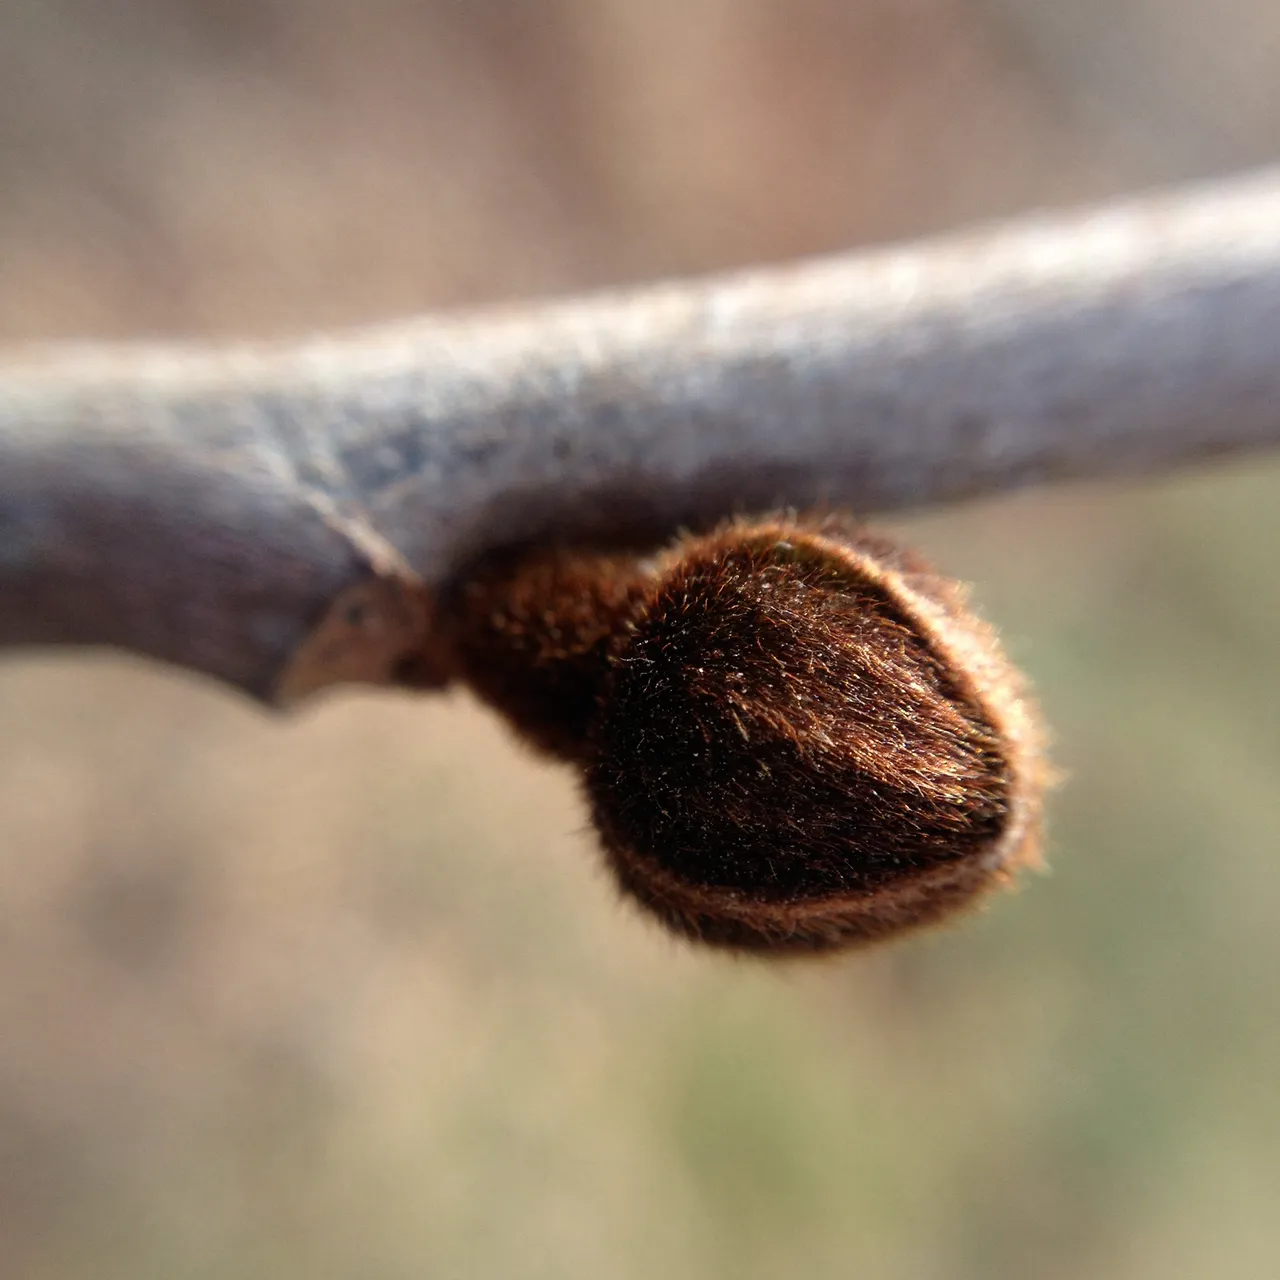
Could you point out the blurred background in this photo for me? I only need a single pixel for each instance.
(348, 994)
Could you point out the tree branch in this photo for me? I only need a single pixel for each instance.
(278, 518)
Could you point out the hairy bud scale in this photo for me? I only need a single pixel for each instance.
(793, 736)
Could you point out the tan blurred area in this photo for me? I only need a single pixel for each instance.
(348, 994)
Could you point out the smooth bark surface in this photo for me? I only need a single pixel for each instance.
(278, 518)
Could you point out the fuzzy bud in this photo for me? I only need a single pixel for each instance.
(793, 736)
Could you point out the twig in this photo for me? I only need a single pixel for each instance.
(277, 518)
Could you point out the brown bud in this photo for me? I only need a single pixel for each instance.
(793, 735)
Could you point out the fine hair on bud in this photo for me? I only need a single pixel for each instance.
(793, 735)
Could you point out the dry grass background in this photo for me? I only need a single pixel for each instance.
(346, 994)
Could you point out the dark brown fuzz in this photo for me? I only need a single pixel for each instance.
(793, 736)
(532, 635)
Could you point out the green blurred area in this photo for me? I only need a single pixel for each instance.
(350, 994)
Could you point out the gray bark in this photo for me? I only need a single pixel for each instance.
(278, 518)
